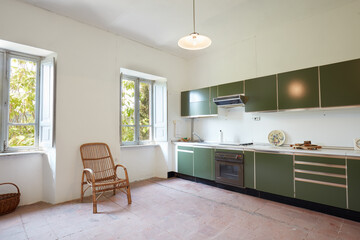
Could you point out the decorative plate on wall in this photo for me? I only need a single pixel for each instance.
(276, 137)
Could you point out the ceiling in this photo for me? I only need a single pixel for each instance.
(161, 23)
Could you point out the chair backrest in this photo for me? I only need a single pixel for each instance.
(97, 156)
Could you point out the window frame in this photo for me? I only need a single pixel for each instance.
(137, 125)
(8, 55)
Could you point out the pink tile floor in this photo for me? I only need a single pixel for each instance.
(174, 209)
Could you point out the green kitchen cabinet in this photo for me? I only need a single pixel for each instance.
(204, 162)
(199, 108)
(353, 170)
(340, 84)
(321, 179)
(299, 89)
(200, 95)
(231, 88)
(185, 104)
(213, 94)
(185, 160)
(274, 173)
(249, 167)
(261, 94)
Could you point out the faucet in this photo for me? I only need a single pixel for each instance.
(200, 140)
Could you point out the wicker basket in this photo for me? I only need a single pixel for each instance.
(9, 201)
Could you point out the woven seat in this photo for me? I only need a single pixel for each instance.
(100, 172)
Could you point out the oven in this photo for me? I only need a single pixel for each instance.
(229, 168)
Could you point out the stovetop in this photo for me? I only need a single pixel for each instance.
(236, 144)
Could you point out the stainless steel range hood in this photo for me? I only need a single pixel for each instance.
(237, 100)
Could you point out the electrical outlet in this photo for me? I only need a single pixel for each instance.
(257, 118)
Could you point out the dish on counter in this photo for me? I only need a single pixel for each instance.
(276, 137)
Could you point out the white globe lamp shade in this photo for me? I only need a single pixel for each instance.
(194, 41)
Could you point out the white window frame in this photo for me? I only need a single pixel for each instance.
(5, 111)
(137, 126)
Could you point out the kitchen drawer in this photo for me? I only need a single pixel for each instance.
(323, 160)
(335, 178)
(320, 169)
(185, 148)
(324, 194)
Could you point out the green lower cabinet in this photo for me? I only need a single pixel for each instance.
(328, 195)
(204, 163)
(186, 161)
(274, 173)
(249, 165)
(353, 166)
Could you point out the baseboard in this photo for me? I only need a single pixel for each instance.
(334, 211)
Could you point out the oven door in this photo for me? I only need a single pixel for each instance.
(229, 173)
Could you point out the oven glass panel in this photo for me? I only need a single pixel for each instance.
(230, 172)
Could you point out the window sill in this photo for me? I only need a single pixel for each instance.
(9, 154)
(139, 146)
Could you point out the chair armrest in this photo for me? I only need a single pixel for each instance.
(91, 172)
(124, 168)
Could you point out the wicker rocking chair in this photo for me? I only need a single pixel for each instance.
(100, 172)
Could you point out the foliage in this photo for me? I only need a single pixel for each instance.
(128, 111)
(22, 95)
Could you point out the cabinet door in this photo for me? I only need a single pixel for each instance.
(185, 104)
(200, 95)
(353, 170)
(340, 84)
(199, 108)
(204, 163)
(231, 88)
(213, 94)
(299, 89)
(186, 161)
(274, 173)
(249, 169)
(321, 179)
(261, 94)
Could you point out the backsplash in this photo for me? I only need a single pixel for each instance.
(331, 127)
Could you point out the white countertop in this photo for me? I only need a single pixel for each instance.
(341, 152)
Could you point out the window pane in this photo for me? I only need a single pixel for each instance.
(145, 133)
(21, 136)
(128, 134)
(144, 103)
(22, 91)
(128, 102)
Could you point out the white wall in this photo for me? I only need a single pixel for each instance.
(88, 88)
(322, 39)
(26, 172)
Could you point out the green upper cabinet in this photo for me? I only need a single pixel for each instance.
(261, 94)
(231, 88)
(340, 84)
(274, 173)
(198, 102)
(299, 89)
(185, 104)
(249, 166)
(213, 94)
(204, 163)
(353, 168)
(200, 95)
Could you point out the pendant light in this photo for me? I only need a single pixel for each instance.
(194, 41)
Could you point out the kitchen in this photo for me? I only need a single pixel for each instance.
(260, 43)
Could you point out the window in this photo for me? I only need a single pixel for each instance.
(26, 99)
(143, 110)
